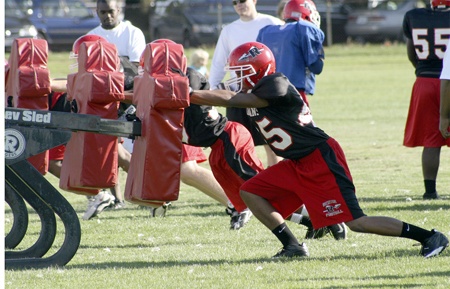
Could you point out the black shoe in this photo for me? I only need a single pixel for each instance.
(159, 212)
(434, 245)
(431, 196)
(339, 231)
(238, 220)
(316, 234)
(293, 251)
(229, 210)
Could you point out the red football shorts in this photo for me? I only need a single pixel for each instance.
(422, 123)
(321, 181)
(191, 153)
(233, 161)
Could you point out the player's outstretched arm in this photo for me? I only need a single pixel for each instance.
(227, 99)
(59, 84)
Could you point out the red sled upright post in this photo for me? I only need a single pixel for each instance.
(161, 94)
(28, 83)
(90, 159)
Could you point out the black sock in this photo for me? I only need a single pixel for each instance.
(285, 235)
(416, 233)
(430, 186)
(306, 221)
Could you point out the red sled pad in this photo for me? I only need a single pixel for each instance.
(164, 59)
(98, 56)
(28, 74)
(90, 161)
(163, 92)
(154, 173)
(100, 87)
(160, 93)
(33, 82)
(28, 83)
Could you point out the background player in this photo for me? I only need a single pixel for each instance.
(297, 44)
(427, 31)
(230, 37)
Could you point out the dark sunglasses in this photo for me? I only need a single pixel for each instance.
(235, 2)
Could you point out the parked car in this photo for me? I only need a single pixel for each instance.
(17, 24)
(380, 23)
(60, 22)
(190, 22)
(338, 12)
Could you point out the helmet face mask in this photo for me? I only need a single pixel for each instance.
(241, 80)
(250, 62)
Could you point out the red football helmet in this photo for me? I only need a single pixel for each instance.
(301, 9)
(250, 61)
(440, 4)
(76, 47)
(82, 39)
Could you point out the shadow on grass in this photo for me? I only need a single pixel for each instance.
(219, 262)
(416, 205)
(393, 278)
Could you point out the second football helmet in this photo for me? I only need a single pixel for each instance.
(301, 9)
(85, 38)
(250, 62)
(76, 47)
(441, 4)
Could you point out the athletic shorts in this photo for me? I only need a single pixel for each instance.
(321, 181)
(240, 115)
(191, 153)
(422, 123)
(233, 161)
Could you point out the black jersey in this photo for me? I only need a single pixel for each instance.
(429, 30)
(286, 123)
(202, 125)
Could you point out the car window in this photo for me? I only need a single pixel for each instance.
(11, 9)
(393, 5)
(51, 8)
(76, 9)
(58, 9)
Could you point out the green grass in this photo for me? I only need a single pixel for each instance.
(362, 99)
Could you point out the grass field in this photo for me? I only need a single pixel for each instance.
(362, 99)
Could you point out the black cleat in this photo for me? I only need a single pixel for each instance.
(431, 196)
(339, 231)
(293, 251)
(238, 220)
(434, 245)
(316, 234)
(159, 212)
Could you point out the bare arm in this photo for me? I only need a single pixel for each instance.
(444, 122)
(227, 99)
(59, 84)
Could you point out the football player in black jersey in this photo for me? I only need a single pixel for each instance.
(233, 159)
(314, 171)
